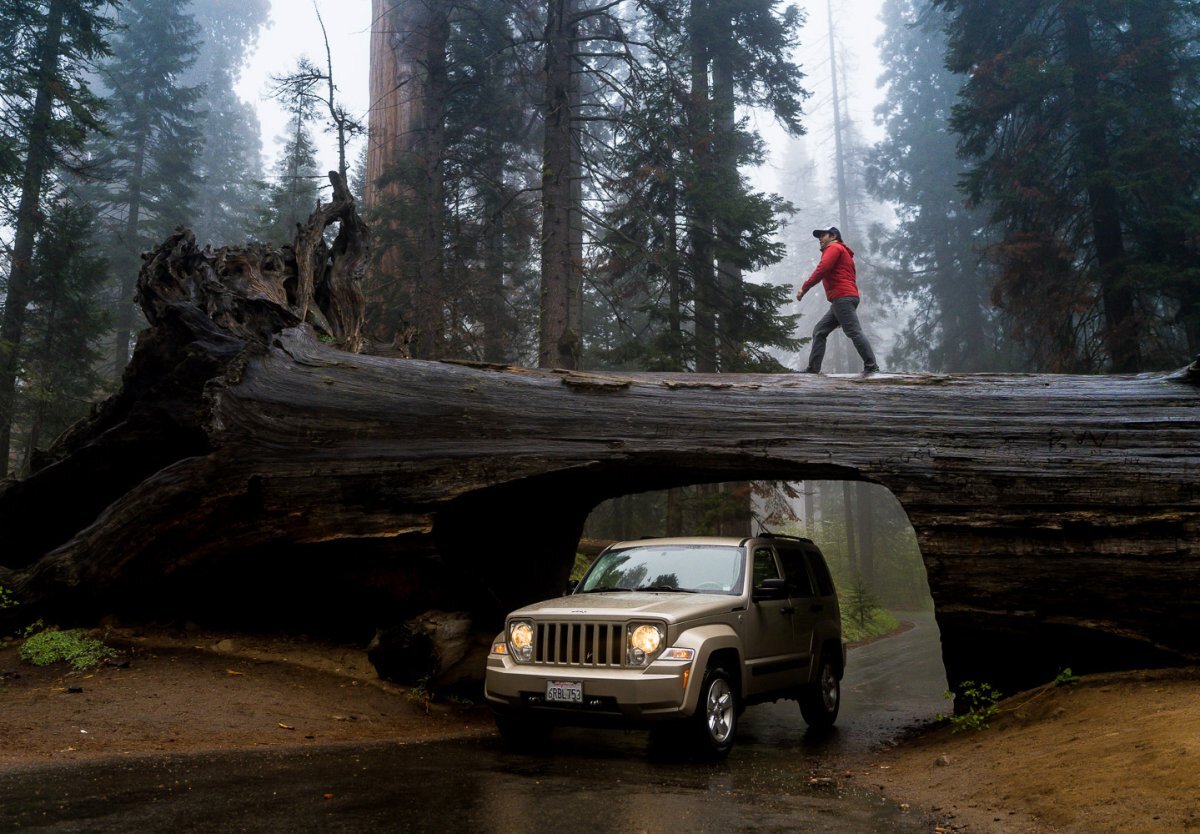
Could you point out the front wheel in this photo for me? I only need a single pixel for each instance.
(716, 714)
(819, 701)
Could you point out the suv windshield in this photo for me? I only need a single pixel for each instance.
(703, 569)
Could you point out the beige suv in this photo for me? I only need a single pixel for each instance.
(682, 632)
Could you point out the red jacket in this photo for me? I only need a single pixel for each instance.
(835, 272)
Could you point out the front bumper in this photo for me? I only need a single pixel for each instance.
(621, 695)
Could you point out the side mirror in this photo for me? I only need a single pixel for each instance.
(774, 588)
(572, 584)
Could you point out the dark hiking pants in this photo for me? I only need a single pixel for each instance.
(841, 314)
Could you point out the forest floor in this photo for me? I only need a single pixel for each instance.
(1110, 753)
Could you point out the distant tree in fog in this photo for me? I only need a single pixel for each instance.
(152, 154)
(62, 368)
(295, 185)
(936, 254)
(229, 197)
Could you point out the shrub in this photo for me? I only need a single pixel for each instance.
(1066, 678)
(6, 599)
(53, 646)
(858, 603)
(976, 708)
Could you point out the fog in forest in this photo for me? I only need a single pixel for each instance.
(862, 530)
(628, 186)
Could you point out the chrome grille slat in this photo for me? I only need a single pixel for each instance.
(589, 644)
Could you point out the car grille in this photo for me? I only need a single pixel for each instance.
(579, 644)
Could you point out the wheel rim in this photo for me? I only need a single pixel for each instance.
(830, 691)
(720, 711)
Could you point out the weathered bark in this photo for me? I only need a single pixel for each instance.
(250, 469)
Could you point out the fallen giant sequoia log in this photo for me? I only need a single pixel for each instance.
(255, 468)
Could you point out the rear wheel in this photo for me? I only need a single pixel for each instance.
(716, 714)
(819, 701)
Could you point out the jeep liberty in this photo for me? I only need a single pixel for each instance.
(682, 633)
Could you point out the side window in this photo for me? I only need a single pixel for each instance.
(764, 566)
(799, 583)
(821, 572)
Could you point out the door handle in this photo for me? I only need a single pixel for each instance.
(787, 612)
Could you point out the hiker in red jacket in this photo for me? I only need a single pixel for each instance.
(836, 273)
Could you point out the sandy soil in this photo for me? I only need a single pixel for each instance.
(174, 692)
(1111, 753)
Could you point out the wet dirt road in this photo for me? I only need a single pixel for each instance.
(589, 781)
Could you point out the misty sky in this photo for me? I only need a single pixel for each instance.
(294, 31)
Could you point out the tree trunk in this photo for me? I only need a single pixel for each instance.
(849, 520)
(20, 278)
(560, 342)
(864, 503)
(250, 465)
(1120, 326)
(492, 297)
(704, 279)
(674, 287)
(730, 328)
(405, 157)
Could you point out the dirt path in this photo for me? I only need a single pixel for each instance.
(1111, 753)
(172, 693)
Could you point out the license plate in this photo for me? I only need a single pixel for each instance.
(564, 692)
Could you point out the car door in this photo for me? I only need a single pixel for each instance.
(804, 598)
(772, 661)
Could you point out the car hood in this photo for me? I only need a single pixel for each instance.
(672, 607)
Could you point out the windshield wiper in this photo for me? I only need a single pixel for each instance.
(605, 590)
(666, 588)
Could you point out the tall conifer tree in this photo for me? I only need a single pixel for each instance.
(156, 142)
(936, 249)
(1061, 99)
(48, 111)
(61, 369)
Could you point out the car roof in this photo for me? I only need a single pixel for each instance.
(726, 541)
(716, 541)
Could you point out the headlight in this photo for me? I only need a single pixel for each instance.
(647, 638)
(644, 641)
(520, 638)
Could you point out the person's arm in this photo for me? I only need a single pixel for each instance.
(828, 259)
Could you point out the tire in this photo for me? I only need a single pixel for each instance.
(522, 733)
(715, 721)
(820, 701)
